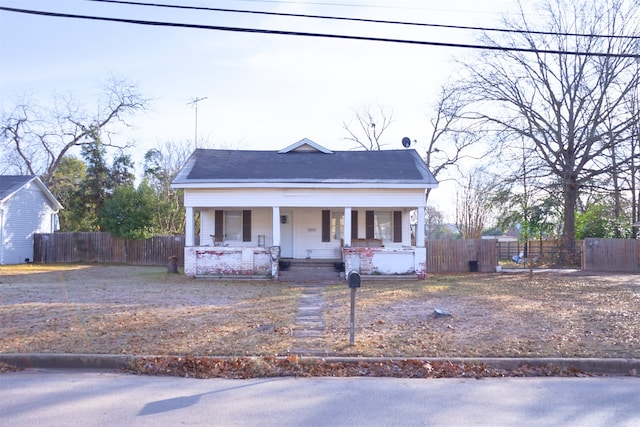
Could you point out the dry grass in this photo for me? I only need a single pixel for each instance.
(142, 310)
(494, 315)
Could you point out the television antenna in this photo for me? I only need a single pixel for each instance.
(194, 103)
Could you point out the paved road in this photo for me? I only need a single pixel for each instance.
(39, 397)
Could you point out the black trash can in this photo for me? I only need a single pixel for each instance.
(172, 266)
(473, 266)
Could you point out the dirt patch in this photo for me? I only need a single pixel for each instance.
(143, 310)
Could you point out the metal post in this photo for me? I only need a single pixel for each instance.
(194, 102)
(352, 330)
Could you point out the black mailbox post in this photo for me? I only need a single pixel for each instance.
(354, 284)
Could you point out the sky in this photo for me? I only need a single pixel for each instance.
(262, 91)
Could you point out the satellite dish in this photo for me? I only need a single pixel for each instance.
(406, 142)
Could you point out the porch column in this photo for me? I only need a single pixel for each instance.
(189, 231)
(420, 227)
(276, 226)
(347, 227)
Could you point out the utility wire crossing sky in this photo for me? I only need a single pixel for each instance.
(327, 35)
(258, 90)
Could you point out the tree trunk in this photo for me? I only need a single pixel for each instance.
(569, 224)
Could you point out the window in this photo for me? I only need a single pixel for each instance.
(383, 228)
(233, 226)
(326, 226)
(332, 225)
(354, 224)
(384, 225)
(337, 224)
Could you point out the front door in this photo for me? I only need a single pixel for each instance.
(286, 234)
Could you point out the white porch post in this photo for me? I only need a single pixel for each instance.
(276, 226)
(420, 227)
(347, 227)
(189, 229)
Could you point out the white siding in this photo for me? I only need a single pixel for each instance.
(306, 205)
(207, 224)
(307, 229)
(307, 236)
(262, 225)
(27, 212)
(310, 197)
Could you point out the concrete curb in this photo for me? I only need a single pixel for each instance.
(67, 360)
(598, 366)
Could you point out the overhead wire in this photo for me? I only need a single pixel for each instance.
(365, 20)
(315, 35)
(324, 3)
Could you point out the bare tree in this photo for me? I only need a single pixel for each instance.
(473, 207)
(522, 194)
(567, 106)
(35, 139)
(435, 227)
(370, 126)
(452, 136)
(631, 177)
(161, 163)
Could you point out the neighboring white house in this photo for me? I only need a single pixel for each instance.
(26, 207)
(255, 208)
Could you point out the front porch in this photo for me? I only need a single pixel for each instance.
(251, 242)
(252, 208)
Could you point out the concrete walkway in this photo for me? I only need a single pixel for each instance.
(308, 332)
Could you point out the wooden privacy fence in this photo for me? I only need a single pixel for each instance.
(451, 256)
(549, 253)
(620, 255)
(103, 247)
(443, 256)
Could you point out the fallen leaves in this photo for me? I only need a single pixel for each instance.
(5, 367)
(294, 366)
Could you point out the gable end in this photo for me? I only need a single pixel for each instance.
(305, 145)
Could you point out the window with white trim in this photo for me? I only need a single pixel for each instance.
(383, 225)
(233, 225)
(337, 225)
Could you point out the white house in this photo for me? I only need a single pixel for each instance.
(248, 210)
(26, 207)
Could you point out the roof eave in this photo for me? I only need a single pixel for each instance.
(303, 184)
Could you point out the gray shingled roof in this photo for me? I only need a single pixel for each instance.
(9, 184)
(388, 166)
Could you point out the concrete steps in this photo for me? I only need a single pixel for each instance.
(310, 270)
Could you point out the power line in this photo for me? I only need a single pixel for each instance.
(373, 21)
(316, 35)
(324, 3)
